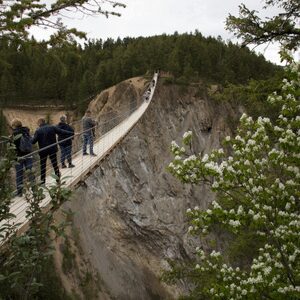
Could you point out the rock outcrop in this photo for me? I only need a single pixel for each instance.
(131, 213)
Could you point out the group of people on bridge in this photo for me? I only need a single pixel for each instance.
(48, 137)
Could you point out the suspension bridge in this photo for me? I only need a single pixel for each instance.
(108, 135)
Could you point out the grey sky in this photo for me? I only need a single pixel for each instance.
(154, 17)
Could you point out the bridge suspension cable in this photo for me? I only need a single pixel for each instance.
(108, 134)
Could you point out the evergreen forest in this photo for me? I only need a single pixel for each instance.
(34, 72)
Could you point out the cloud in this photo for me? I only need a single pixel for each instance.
(146, 18)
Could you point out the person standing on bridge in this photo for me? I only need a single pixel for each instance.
(88, 127)
(45, 136)
(65, 142)
(22, 140)
(147, 94)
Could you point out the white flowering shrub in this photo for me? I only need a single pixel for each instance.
(257, 183)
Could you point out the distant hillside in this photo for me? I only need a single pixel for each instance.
(67, 74)
(29, 117)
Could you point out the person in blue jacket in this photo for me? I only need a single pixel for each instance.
(65, 142)
(24, 159)
(45, 136)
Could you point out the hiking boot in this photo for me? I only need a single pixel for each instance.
(63, 166)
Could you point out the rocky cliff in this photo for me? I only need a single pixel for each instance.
(130, 213)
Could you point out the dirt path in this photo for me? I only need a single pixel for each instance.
(29, 117)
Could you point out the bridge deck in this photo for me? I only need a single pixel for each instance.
(84, 164)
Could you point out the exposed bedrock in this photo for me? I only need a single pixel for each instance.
(131, 212)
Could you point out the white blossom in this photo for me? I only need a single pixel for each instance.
(234, 223)
(187, 134)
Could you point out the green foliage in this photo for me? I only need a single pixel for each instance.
(168, 80)
(51, 285)
(256, 179)
(23, 257)
(283, 27)
(68, 73)
(243, 248)
(252, 97)
(2, 124)
(6, 162)
(16, 17)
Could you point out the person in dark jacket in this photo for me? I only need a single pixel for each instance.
(24, 159)
(147, 94)
(88, 126)
(65, 142)
(45, 136)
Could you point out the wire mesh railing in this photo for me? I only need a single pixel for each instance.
(112, 125)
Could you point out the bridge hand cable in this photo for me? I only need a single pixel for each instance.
(107, 135)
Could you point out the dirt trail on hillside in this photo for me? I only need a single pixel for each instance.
(29, 117)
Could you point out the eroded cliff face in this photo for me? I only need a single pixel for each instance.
(131, 213)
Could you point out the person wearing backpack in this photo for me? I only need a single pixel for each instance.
(22, 140)
(65, 142)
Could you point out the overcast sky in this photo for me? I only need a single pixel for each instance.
(154, 17)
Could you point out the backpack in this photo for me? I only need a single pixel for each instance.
(25, 143)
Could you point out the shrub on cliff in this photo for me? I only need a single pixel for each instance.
(25, 258)
(256, 179)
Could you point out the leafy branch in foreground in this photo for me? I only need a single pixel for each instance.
(24, 257)
(257, 184)
(7, 157)
(17, 16)
(283, 28)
